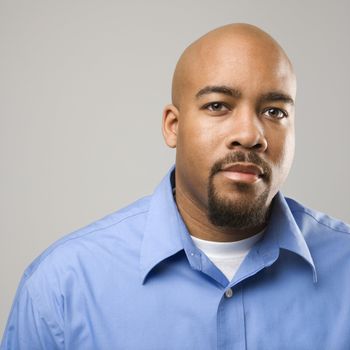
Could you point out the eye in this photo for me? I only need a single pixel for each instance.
(216, 107)
(275, 113)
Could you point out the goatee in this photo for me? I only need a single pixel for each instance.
(244, 213)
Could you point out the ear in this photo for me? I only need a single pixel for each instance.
(170, 125)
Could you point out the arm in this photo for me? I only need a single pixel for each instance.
(30, 326)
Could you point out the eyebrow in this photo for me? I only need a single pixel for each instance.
(221, 89)
(273, 96)
(276, 96)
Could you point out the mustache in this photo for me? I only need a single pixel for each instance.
(239, 156)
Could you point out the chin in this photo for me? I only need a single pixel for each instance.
(241, 208)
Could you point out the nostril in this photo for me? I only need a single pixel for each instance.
(246, 138)
(255, 146)
(258, 146)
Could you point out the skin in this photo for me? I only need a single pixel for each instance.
(257, 117)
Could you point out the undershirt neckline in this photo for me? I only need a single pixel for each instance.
(226, 249)
(227, 256)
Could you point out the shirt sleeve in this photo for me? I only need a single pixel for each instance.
(28, 328)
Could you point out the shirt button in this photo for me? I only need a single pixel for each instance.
(228, 293)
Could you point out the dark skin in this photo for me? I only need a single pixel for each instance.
(233, 91)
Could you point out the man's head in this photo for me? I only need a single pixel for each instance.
(232, 123)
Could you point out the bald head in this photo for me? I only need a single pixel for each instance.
(233, 102)
(230, 44)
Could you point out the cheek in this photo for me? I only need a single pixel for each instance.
(282, 154)
(194, 159)
(197, 142)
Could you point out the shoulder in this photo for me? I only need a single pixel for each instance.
(121, 228)
(312, 221)
(328, 240)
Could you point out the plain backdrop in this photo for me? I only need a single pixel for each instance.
(82, 87)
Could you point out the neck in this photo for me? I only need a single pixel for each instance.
(198, 224)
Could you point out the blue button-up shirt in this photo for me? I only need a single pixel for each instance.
(135, 280)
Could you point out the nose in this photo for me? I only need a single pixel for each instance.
(246, 131)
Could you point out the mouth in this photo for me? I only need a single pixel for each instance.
(243, 172)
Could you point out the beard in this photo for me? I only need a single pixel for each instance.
(246, 212)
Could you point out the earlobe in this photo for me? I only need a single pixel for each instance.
(170, 124)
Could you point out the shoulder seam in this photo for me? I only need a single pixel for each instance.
(59, 244)
(321, 223)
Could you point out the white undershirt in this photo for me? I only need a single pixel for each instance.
(227, 256)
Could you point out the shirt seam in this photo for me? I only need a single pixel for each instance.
(60, 244)
(321, 223)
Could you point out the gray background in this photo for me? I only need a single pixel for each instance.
(82, 87)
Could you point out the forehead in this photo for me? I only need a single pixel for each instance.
(251, 67)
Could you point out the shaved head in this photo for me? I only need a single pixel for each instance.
(232, 123)
(239, 38)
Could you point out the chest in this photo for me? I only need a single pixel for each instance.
(185, 310)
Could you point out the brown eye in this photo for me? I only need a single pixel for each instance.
(275, 113)
(216, 107)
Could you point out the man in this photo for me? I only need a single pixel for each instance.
(216, 258)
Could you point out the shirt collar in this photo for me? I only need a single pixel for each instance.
(282, 232)
(283, 226)
(162, 236)
(166, 234)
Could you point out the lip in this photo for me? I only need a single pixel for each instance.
(243, 172)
